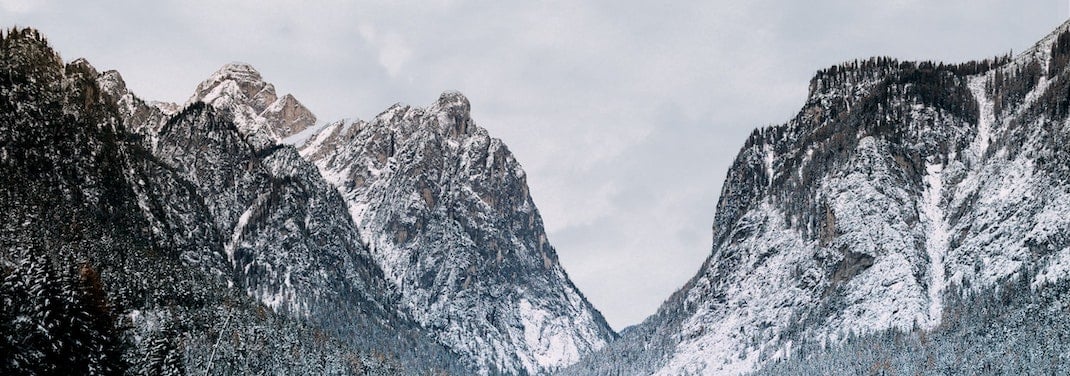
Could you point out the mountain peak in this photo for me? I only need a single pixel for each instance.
(84, 64)
(455, 112)
(240, 88)
(454, 102)
(113, 83)
(897, 188)
(234, 80)
(239, 71)
(288, 116)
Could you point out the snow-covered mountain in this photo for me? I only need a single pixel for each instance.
(221, 246)
(899, 194)
(446, 212)
(443, 210)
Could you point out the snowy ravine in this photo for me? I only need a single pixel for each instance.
(936, 239)
(446, 212)
(898, 188)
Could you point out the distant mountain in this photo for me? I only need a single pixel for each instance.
(911, 219)
(197, 238)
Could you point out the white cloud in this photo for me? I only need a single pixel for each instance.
(393, 50)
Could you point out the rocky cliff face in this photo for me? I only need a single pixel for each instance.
(445, 210)
(898, 188)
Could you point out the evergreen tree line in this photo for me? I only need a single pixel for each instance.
(1013, 329)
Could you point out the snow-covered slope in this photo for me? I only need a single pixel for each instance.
(896, 186)
(446, 212)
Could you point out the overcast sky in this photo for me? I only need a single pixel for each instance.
(625, 116)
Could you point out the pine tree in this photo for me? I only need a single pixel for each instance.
(9, 295)
(106, 355)
(38, 322)
(31, 316)
(164, 357)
